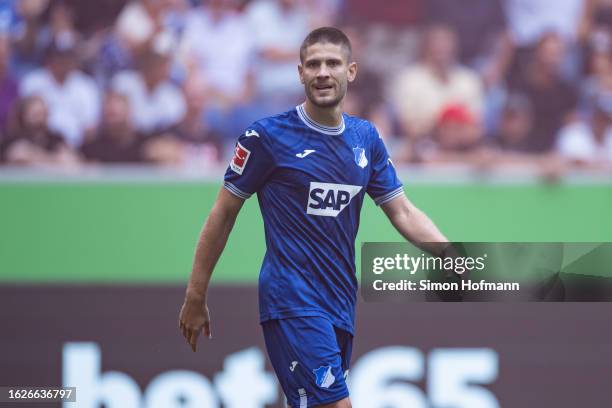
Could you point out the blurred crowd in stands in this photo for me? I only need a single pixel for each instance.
(483, 82)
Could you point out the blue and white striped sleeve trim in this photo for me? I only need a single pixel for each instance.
(236, 191)
(389, 196)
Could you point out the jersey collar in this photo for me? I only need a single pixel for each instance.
(327, 130)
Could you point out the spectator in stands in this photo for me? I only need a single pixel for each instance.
(155, 102)
(598, 82)
(394, 12)
(217, 44)
(421, 91)
(323, 13)
(510, 146)
(366, 97)
(191, 142)
(596, 23)
(457, 137)
(553, 99)
(476, 40)
(138, 23)
(116, 141)
(71, 96)
(278, 27)
(113, 56)
(60, 24)
(589, 144)
(528, 21)
(515, 126)
(457, 130)
(41, 22)
(8, 16)
(8, 85)
(597, 16)
(29, 52)
(30, 141)
(200, 141)
(484, 45)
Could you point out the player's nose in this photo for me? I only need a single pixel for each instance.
(323, 71)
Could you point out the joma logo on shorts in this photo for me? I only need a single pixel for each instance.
(329, 199)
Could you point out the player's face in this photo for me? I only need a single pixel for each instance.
(325, 73)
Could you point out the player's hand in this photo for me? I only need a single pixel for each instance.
(194, 319)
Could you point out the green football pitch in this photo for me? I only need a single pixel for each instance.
(109, 232)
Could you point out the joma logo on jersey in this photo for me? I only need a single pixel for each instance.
(329, 199)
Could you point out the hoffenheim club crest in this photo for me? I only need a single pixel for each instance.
(360, 157)
(324, 377)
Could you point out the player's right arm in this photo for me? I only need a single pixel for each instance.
(194, 316)
(247, 173)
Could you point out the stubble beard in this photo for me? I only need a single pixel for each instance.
(326, 104)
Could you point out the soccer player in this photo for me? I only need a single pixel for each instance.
(311, 168)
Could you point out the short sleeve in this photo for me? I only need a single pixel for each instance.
(251, 164)
(384, 185)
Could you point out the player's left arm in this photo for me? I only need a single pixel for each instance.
(414, 225)
(386, 190)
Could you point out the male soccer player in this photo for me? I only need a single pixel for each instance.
(311, 168)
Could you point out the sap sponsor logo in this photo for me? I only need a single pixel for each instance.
(329, 199)
(250, 133)
(243, 383)
(454, 377)
(241, 156)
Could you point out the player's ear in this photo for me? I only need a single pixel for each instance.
(301, 72)
(352, 71)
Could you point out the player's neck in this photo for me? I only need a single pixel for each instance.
(331, 116)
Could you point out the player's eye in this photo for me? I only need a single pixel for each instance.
(312, 64)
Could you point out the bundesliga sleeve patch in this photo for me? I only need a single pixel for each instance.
(241, 156)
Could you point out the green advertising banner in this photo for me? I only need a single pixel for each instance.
(145, 232)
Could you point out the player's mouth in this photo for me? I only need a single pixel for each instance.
(323, 87)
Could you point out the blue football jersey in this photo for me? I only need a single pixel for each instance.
(310, 181)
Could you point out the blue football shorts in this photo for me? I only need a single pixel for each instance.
(311, 359)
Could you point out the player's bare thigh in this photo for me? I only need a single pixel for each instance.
(343, 403)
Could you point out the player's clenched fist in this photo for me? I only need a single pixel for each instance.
(193, 319)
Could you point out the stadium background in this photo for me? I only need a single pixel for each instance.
(94, 258)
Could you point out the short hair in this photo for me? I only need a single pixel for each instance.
(326, 35)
